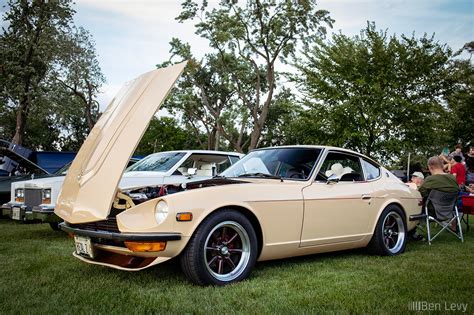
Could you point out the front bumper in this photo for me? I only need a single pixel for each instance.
(17, 212)
(5, 210)
(110, 250)
(21, 212)
(45, 214)
(122, 237)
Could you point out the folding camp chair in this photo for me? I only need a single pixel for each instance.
(440, 207)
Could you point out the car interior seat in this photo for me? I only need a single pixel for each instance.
(336, 169)
(205, 170)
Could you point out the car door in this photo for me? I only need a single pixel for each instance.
(338, 211)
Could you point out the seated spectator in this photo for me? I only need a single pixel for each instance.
(457, 152)
(438, 180)
(448, 159)
(459, 171)
(470, 166)
(470, 189)
(417, 179)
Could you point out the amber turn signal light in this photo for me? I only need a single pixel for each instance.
(184, 216)
(146, 246)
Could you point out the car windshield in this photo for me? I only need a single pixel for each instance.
(63, 170)
(14, 165)
(158, 162)
(287, 163)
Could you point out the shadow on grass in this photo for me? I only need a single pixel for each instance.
(171, 270)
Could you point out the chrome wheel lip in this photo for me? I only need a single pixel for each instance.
(395, 232)
(245, 254)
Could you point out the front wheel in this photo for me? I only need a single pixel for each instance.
(222, 250)
(390, 235)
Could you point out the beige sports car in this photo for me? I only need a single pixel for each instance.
(274, 203)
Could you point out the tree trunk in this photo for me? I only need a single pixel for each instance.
(25, 100)
(21, 117)
(90, 120)
(89, 102)
(217, 139)
(260, 122)
(211, 137)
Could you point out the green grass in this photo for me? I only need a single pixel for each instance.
(39, 275)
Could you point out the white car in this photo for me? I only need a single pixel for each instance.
(34, 200)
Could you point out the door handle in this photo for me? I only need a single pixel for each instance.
(366, 197)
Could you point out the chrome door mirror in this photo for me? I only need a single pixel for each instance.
(333, 179)
(192, 171)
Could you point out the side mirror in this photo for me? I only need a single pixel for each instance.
(333, 179)
(192, 171)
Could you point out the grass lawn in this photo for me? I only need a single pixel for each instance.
(39, 275)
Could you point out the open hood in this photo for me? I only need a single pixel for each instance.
(91, 182)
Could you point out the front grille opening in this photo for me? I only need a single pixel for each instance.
(33, 197)
(109, 225)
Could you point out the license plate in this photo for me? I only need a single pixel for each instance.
(84, 246)
(16, 213)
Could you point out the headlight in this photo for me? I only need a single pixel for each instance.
(19, 195)
(46, 196)
(161, 211)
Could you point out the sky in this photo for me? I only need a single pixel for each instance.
(132, 36)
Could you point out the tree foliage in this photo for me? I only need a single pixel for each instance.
(49, 76)
(461, 98)
(376, 94)
(247, 41)
(165, 134)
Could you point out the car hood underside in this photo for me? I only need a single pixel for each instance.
(91, 183)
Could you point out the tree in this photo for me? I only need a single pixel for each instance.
(249, 39)
(202, 94)
(283, 116)
(376, 94)
(78, 70)
(164, 134)
(28, 47)
(461, 98)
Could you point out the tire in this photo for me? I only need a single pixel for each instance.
(390, 235)
(223, 250)
(54, 225)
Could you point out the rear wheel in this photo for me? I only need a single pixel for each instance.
(390, 235)
(222, 250)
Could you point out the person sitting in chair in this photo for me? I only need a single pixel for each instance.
(458, 170)
(417, 179)
(438, 180)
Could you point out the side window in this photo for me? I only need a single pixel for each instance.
(234, 159)
(346, 167)
(222, 166)
(372, 171)
(183, 168)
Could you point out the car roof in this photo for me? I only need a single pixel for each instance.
(204, 152)
(323, 147)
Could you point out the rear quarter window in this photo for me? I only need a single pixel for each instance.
(372, 171)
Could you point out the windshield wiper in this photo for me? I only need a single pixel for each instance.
(264, 175)
(218, 176)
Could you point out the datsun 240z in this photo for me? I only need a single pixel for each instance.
(273, 203)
